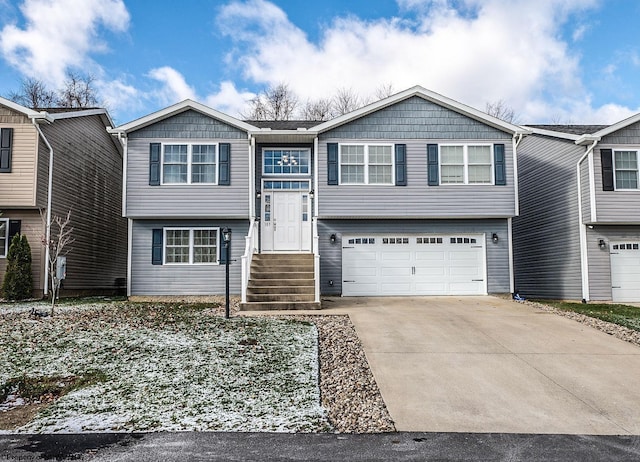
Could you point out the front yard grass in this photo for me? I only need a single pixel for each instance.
(623, 315)
(140, 366)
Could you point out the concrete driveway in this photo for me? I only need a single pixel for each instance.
(486, 364)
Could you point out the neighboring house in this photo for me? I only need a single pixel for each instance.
(578, 234)
(411, 195)
(85, 178)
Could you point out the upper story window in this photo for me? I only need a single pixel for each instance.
(466, 164)
(189, 163)
(286, 161)
(626, 169)
(366, 164)
(191, 246)
(4, 237)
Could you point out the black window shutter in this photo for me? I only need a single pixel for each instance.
(6, 140)
(432, 165)
(156, 247)
(224, 164)
(401, 164)
(154, 164)
(606, 158)
(332, 163)
(14, 228)
(499, 164)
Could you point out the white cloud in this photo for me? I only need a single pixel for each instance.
(58, 35)
(229, 100)
(117, 95)
(174, 86)
(475, 51)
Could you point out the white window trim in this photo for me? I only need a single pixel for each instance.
(465, 152)
(367, 164)
(6, 237)
(191, 245)
(280, 175)
(190, 162)
(615, 170)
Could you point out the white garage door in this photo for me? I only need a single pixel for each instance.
(413, 265)
(625, 271)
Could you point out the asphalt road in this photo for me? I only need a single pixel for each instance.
(189, 446)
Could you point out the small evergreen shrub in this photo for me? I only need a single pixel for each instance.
(18, 280)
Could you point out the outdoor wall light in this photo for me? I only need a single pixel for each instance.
(311, 194)
(258, 195)
(602, 244)
(494, 238)
(332, 238)
(226, 235)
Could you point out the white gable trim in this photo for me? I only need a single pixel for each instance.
(427, 95)
(553, 133)
(586, 139)
(19, 108)
(177, 109)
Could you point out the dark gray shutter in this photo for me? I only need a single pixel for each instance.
(154, 164)
(6, 139)
(156, 247)
(606, 158)
(499, 164)
(332, 163)
(401, 164)
(224, 164)
(432, 165)
(14, 228)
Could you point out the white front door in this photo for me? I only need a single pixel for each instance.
(285, 221)
(625, 271)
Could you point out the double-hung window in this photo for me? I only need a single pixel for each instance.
(190, 246)
(366, 164)
(466, 164)
(4, 237)
(626, 169)
(189, 164)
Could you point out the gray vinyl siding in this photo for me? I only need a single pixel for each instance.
(416, 123)
(546, 236)
(585, 186)
(600, 260)
(148, 279)
(626, 135)
(620, 206)
(187, 201)
(331, 254)
(87, 181)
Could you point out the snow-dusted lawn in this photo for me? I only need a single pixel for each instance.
(169, 368)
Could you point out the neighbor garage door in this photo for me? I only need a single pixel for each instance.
(413, 265)
(625, 271)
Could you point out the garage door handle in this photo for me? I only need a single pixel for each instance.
(348, 247)
(477, 280)
(616, 287)
(348, 281)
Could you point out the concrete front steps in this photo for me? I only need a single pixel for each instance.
(281, 281)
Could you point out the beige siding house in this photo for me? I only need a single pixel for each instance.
(85, 178)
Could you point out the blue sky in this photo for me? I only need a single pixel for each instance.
(552, 61)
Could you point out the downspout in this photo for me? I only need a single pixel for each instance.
(584, 262)
(123, 139)
(252, 176)
(49, 192)
(316, 155)
(517, 138)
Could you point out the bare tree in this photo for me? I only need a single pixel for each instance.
(57, 238)
(78, 91)
(500, 110)
(273, 103)
(34, 93)
(319, 109)
(346, 100)
(384, 91)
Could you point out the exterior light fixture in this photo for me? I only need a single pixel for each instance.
(332, 238)
(494, 238)
(602, 244)
(258, 195)
(311, 194)
(226, 238)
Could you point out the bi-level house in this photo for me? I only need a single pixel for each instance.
(411, 195)
(578, 236)
(53, 162)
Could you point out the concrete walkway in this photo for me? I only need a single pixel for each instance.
(486, 364)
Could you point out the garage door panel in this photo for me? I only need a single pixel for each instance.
(625, 271)
(412, 265)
